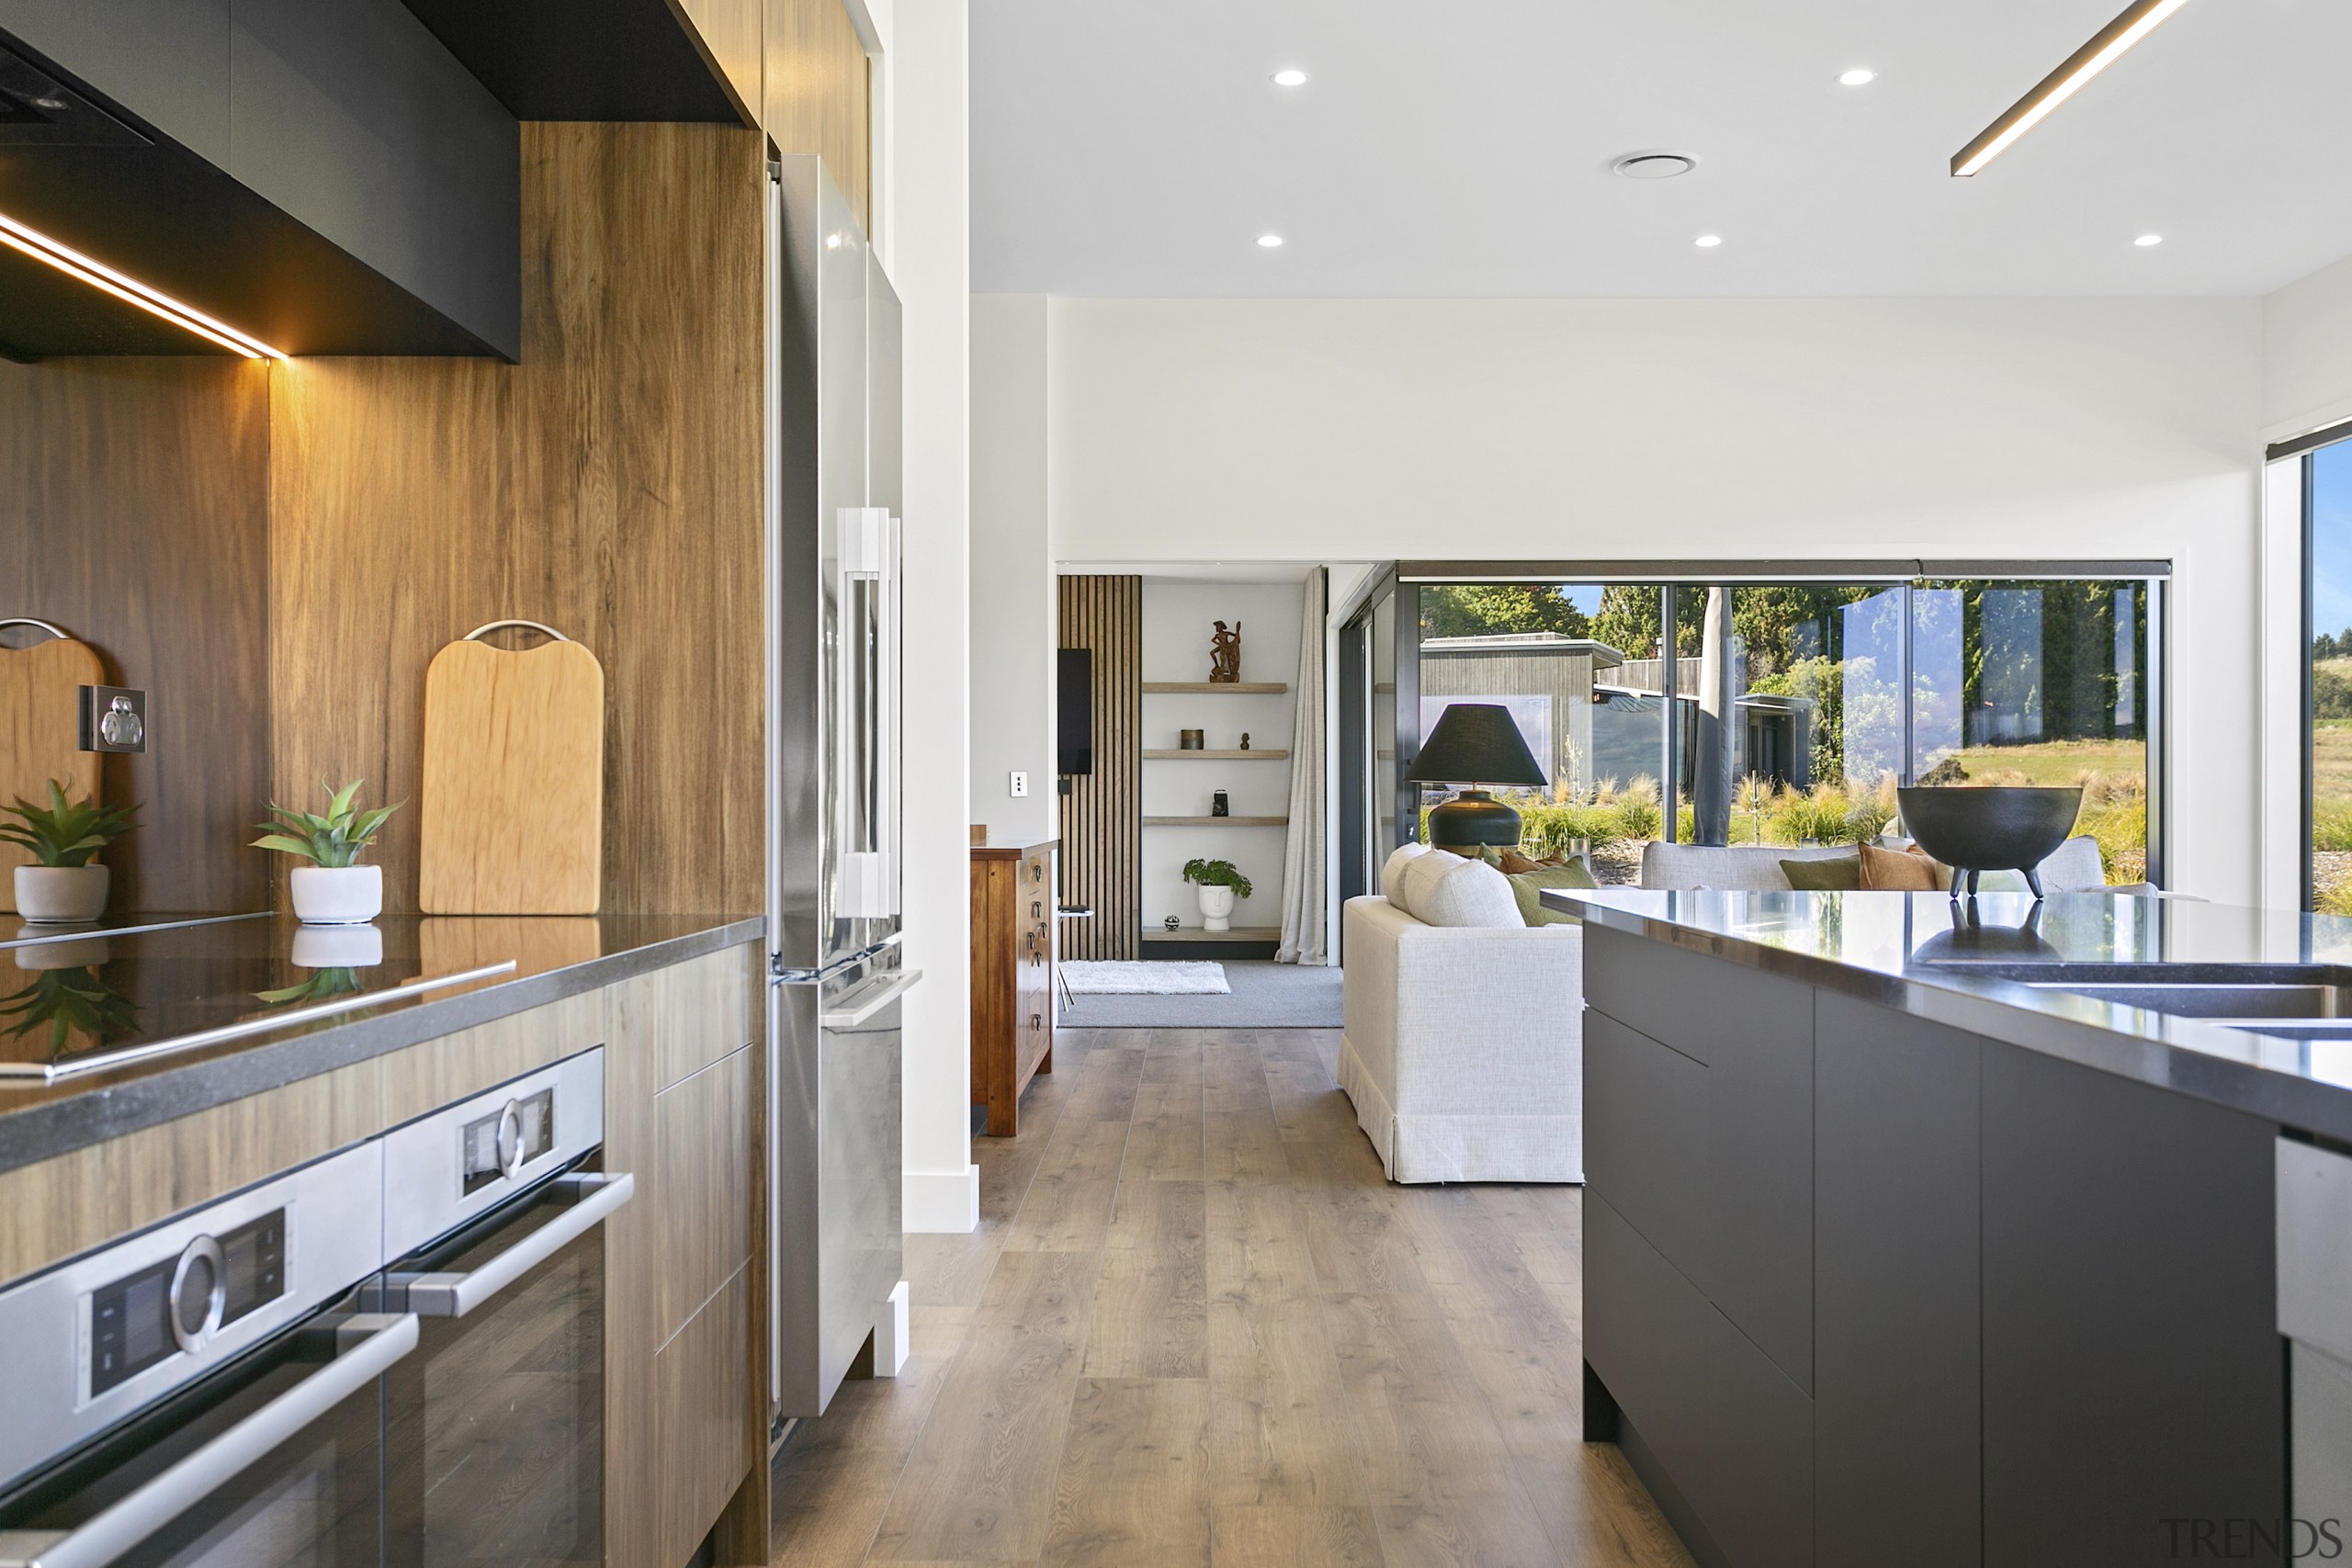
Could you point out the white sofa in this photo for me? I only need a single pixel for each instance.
(1462, 1046)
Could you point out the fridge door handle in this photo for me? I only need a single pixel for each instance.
(874, 1002)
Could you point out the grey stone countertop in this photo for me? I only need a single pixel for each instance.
(65, 1001)
(1995, 971)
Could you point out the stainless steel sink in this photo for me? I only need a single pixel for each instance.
(2252, 995)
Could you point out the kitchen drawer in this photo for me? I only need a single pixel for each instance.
(1700, 1005)
(1643, 1151)
(693, 1013)
(1728, 1427)
(702, 1380)
(702, 1191)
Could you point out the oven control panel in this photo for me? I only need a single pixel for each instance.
(139, 1319)
(449, 1168)
(102, 1335)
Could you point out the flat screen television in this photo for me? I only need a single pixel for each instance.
(1074, 709)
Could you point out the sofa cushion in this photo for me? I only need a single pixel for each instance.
(1394, 867)
(1842, 875)
(1468, 894)
(1527, 887)
(1899, 870)
(1754, 868)
(1418, 876)
(2073, 867)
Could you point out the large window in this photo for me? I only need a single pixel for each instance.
(2327, 515)
(1758, 712)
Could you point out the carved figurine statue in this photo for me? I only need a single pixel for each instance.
(1245, 740)
(1224, 655)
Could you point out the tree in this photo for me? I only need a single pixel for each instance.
(1628, 620)
(1489, 609)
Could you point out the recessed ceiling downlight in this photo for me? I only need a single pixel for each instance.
(1708, 241)
(1269, 242)
(1654, 165)
(1859, 77)
(1292, 78)
(2145, 241)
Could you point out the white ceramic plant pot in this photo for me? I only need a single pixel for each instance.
(1217, 907)
(83, 953)
(344, 946)
(62, 895)
(337, 895)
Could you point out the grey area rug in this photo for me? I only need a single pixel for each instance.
(1265, 995)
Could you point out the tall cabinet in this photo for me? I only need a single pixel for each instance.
(1012, 975)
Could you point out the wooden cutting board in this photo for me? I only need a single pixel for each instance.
(41, 733)
(512, 812)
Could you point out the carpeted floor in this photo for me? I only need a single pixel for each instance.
(1265, 995)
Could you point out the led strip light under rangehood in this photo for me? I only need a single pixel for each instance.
(99, 275)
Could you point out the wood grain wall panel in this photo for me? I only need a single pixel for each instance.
(607, 485)
(134, 513)
(1101, 817)
(817, 94)
(730, 32)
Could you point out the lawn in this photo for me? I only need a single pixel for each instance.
(2065, 761)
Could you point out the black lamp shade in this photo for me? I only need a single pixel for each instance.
(1476, 743)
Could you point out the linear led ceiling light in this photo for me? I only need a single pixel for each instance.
(2085, 63)
(99, 275)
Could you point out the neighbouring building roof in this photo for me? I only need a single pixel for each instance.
(1603, 656)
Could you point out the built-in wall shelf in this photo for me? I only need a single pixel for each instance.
(1216, 821)
(1222, 688)
(1196, 933)
(1184, 756)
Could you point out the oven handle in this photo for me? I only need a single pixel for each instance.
(882, 996)
(375, 1343)
(457, 1294)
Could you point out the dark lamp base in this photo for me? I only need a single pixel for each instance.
(1471, 820)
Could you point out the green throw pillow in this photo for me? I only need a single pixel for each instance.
(1528, 884)
(1842, 874)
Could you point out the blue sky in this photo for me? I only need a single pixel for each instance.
(2332, 537)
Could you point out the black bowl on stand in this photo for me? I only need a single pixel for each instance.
(1974, 830)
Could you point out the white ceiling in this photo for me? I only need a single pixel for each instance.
(1121, 147)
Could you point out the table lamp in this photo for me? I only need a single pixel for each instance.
(1474, 745)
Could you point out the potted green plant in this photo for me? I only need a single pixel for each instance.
(64, 886)
(1220, 883)
(332, 890)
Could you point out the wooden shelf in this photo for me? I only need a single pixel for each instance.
(1194, 933)
(1222, 688)
(1184, 756)
(1216, 821)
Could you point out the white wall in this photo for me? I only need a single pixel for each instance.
(2307, 353)
(1177, 618)
(1012, 573)
(930, 263)
(1733, 429)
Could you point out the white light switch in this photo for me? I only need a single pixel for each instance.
(1020, 785)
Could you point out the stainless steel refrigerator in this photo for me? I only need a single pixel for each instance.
(836, 978)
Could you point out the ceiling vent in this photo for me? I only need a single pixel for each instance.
(1654, 165)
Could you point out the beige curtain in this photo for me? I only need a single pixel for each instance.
(1304, 921)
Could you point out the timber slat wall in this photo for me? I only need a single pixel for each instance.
(1103, 813)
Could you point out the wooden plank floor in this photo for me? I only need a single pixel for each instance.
(1197, 1327)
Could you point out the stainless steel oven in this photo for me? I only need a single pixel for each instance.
(495, 1425)
(208, 1392)
(249, 1386)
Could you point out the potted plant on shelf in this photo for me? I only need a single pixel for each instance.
(65, 837)
(1220, 885)
(331, 890)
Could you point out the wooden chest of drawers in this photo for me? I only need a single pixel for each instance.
(1012, 975)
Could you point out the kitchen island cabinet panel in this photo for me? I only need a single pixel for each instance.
(1727, 1426)
(1896, 1433)
(1748, 1245)
(1648, 1157)
(2129, 1289)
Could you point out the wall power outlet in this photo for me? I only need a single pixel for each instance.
(1018, 784)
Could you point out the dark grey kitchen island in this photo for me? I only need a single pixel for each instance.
(1896, 1252)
